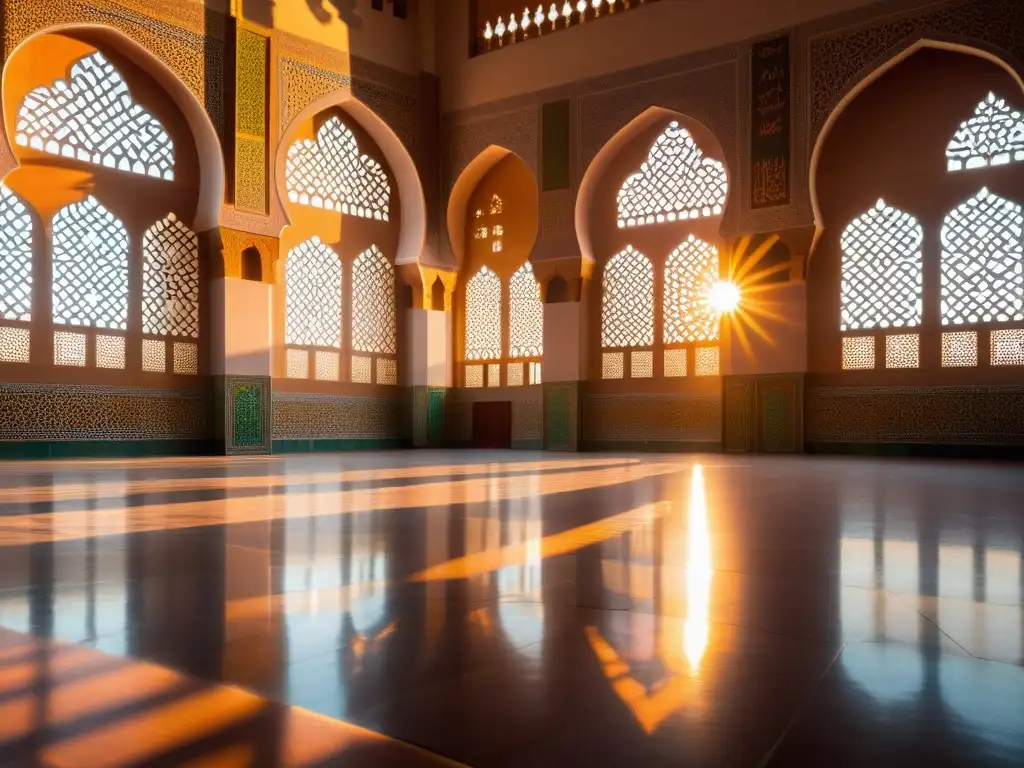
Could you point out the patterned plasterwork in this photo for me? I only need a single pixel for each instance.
(518, 132)
(640, 418)
(308, 417)
(233, 242)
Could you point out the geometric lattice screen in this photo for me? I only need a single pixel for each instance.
(993, 135)
(90, 267)
(170, 279)
(15, 258)
(676, 182)
(881, 270)
(330, 173)
(91, 117)
(373, 303)
(313, 295)
(982, 261)
(483, 316)
(627, 313)
(690, 272)
(526, 314)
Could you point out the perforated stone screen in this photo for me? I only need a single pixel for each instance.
(90, 267)
(627, 312)
(483, 316)
(690, 272)
(993, 135)
(526, 314)
(373, 303)
(982, 261)
(15, 257)
(92, 118)
(170, 279)
(332, 174)
(313, 295)
(881, 270)
(676, 182)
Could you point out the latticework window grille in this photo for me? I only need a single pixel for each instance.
(514, 374)
(362, 369)
(68, 348)
(15, 258)
(312, 312)
(387, 371)
(326, 365)
(90, 267)
(675, 362)
(330, 173)
(881, 270)
(641, 364)
(690, 272)
(983, 261)
(959, 349)
(170, 279)
(705, 361)
(1008, 346)
(526, 314)
(154, 355)
(474, 376)
(297, 363)
(903, 350)
(612, 365)
(627, 313)
(14, 344)
(858, 353)
(186, 358)
(993, 135)
(373, 303)
(496, 206)
(494, 374)
(676, 182)
(536, 373)
(481, 233)
(483, 316)
(92, 118)
(110, 352)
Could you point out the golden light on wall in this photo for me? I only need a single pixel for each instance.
(739, 293)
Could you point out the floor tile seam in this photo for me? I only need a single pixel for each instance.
(905, 601)
(800, 709)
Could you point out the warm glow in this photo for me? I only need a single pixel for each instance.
(724, 297)
(698, 574)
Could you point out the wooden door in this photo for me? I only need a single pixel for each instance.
(492, 425)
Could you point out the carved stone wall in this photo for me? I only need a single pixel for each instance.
(642, 418)
(979, 415)
(319, 417)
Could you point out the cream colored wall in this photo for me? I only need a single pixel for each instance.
(427, 355)
(661, 30)
(240, 316)
(564, 342)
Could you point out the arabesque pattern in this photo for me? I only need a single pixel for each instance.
(373, 303)
(15, 257)
(483, 316)
(690, 272)
(627, 313)
(993, 135)
(526, 314)
(170, 279)
(313, 295)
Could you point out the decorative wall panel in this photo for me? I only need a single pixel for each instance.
(739, 428)
(81, 412)
(318, 417)
(527, 420)
(561, 416)
(246, 414)
(645, 418)
(980, 415)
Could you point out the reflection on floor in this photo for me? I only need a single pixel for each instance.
(509, 609)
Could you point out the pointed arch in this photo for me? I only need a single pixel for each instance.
(208, 148)
(625, 135)
(882, 270)
(313, 275)
(170, 279)
(413, 231)
(627, 306)
(983, 261)
(483, 316)
(860, 87)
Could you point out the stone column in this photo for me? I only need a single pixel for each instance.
(427, 357)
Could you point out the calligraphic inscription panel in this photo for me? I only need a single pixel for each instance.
(770, 124)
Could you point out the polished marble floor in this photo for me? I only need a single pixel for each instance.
(511, 609)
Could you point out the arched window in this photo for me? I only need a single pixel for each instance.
(170, 292)
(92, 118)
(330, 173)
(483, 325)
(313, 310)
(881, 286)
(675, 183)
(627, 313)
(983, 262)
(373, 313)
(993, 135)
(691, 270)
(16, 268)
(525, 325)
(488, 226)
